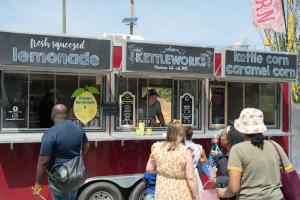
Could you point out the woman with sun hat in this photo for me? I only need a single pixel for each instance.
(253, 165)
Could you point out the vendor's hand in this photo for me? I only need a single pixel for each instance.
(221, 192)
(214, 153)
(37, 189)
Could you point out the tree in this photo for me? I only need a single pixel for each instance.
(288, 42)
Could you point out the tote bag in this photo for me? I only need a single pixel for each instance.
(290, 181)
(67, 177)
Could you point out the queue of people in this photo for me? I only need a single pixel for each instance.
(249, 169)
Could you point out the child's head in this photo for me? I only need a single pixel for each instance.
(188, 132)
(215, 140)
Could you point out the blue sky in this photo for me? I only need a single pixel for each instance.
(216, 23)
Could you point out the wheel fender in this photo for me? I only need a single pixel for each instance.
(105, 187)
(138, 191)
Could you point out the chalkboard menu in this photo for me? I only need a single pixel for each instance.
(127, 109)
(169, 58)
(218, 106)
(21, 49)
(15, 112)
(256, 64)
(187, 109)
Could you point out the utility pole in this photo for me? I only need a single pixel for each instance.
(64, 21)
(131, 15)
(131, 21)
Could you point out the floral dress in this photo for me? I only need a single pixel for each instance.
(171, 183)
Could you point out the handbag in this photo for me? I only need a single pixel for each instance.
(209, 194)
(290, 181)
(68, 176)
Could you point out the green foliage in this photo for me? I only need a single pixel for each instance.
(165, 93)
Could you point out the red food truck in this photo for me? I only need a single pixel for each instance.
(195, 84)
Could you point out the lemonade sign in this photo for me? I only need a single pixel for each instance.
(85, 104)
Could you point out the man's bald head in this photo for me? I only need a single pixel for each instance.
(59, 113)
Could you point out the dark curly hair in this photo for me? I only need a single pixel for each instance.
(234, 136)
(257, 140)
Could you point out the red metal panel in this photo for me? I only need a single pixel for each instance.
(218, 64)
(17, 172)
(18, 166)
(117, 57)
(284, 141)
(285, 107)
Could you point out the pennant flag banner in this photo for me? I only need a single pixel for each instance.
(268, 14)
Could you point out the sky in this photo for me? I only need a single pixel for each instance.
(217, 23)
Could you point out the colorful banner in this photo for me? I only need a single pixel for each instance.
(268, 14)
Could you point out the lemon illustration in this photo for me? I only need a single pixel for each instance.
(85, 107)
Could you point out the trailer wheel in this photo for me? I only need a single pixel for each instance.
(100, 191)
(138, 193)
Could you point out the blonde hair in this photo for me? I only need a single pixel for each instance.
(175, 134)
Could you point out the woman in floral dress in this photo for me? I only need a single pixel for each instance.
(173, 163)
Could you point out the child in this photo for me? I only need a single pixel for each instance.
(150, 180)
(216, 149)
(207, 168)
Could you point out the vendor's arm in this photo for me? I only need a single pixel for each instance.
(161, 118)
(159, 113)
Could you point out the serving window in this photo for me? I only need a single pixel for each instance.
(157, 101)
(28, 97)
(264, 96)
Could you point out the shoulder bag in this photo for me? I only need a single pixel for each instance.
(68, 176)
(290, 181)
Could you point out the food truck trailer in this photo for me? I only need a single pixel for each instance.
(196, 85)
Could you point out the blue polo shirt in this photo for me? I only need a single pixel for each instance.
(62, 142)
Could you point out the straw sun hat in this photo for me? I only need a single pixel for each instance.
(251, 121)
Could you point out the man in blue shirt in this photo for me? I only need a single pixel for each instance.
(60, 144)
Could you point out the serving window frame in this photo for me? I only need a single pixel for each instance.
(199, 124)
(65, 72)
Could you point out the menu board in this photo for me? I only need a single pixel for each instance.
(256, 64)
(168, 58)
(15, 112)
(21, 49)
(127, 109)
(186, 109)
(218, 106)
